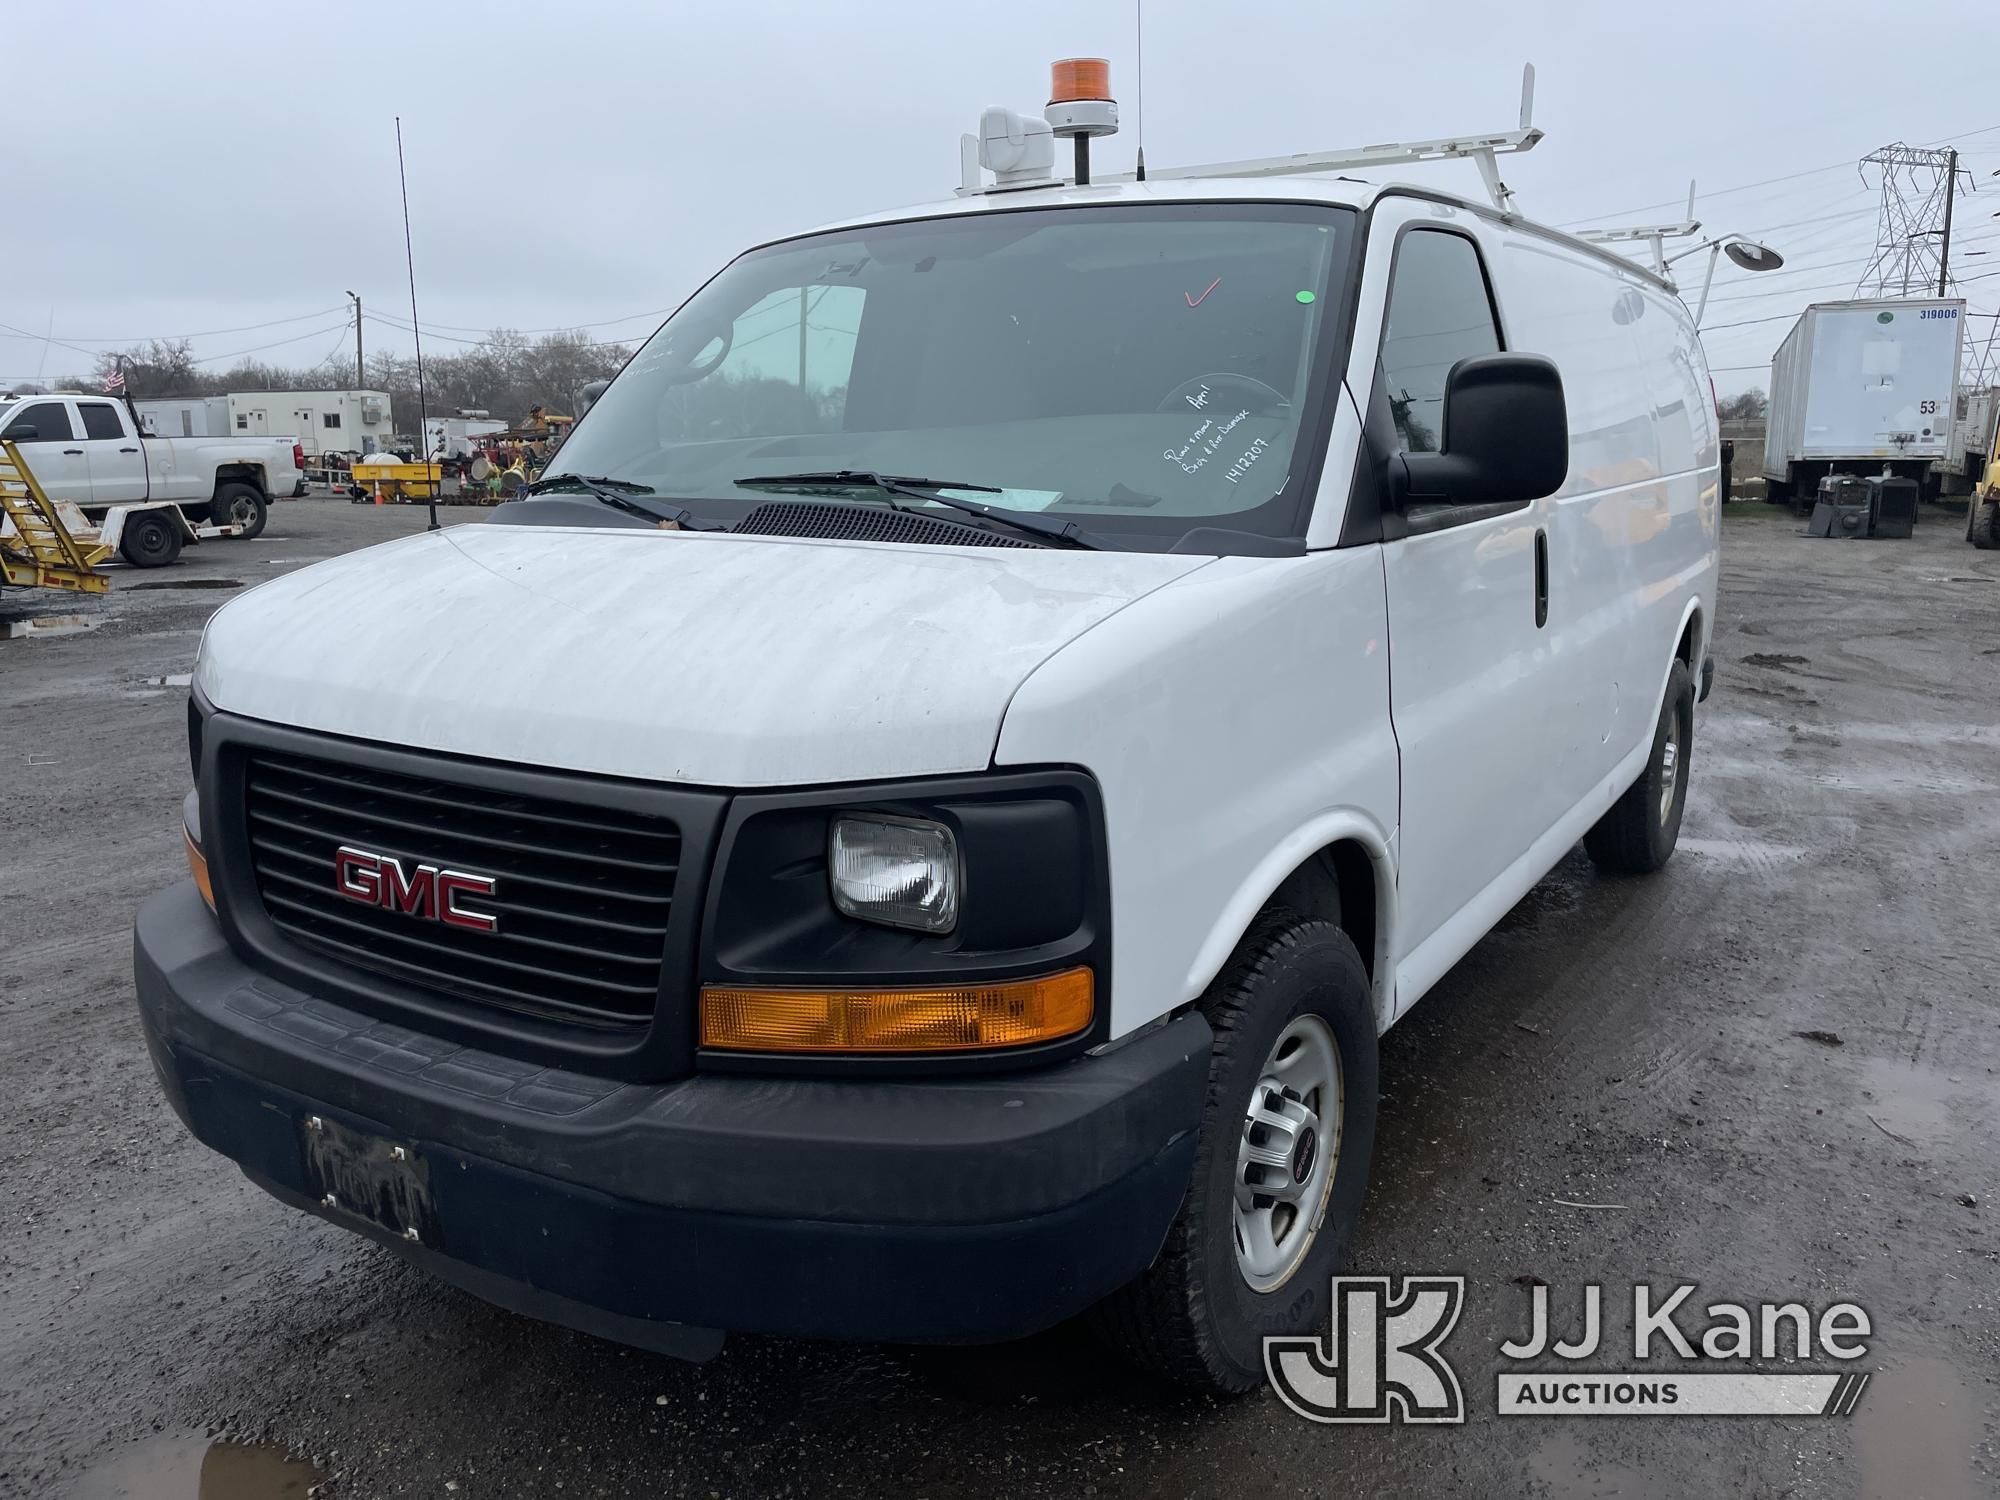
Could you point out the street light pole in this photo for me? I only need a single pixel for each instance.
(360, 377)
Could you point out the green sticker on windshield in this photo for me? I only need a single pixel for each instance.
(1305, 296)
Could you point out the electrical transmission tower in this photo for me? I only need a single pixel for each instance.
(1913, 235)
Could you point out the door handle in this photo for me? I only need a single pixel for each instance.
(1541, 578)
(128, 450)
(72, 453)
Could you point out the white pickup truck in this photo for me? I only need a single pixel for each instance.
(87, 449)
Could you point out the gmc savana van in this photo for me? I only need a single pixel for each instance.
(912, 831)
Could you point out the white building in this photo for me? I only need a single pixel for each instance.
(320, 421)
(184, 416)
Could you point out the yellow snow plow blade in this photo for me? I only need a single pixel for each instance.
(36, 548)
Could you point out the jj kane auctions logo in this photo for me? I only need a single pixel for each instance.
(1382, 1358)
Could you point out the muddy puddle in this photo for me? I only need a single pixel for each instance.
(172, 1468)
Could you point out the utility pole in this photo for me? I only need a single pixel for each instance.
(1944, 246)
(360, 373)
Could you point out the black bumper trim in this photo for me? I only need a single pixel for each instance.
(972, 1207)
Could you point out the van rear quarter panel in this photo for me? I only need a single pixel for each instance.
(1237, 721)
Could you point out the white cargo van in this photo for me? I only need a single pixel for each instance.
(914, 830)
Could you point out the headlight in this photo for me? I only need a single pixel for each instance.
(900, 872)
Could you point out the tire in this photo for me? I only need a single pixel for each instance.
(240, 504)
(151, 539)
(1778, 491)
(1194, 1317)
(1982, 523)
(1638, 834)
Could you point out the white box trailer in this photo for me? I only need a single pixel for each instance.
(1863, 387)
(1974, 420)
(319, 421)
(184, 416)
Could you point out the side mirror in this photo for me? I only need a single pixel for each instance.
(1506, 435)
(21, 434)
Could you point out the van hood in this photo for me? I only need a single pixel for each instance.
(669, 656)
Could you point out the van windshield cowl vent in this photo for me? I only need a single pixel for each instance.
(866, 523)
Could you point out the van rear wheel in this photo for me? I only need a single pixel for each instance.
(1280, 1168)
(1638, 834)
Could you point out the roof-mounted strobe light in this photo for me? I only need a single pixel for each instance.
(1081, 106)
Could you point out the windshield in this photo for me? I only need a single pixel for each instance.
(1152, 368)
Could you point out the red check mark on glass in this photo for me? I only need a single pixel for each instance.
(1194, 301)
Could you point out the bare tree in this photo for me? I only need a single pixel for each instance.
(1750, 406)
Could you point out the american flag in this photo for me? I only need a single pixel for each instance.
(115, 381)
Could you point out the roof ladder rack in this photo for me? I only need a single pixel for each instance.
(1480, 149)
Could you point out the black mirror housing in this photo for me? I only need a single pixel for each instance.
(1506, 435)
(22, 434)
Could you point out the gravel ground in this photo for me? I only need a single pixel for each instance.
(168, 1330)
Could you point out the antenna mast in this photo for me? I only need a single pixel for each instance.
(1139, 88)
(417, 333)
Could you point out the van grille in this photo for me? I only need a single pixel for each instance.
(582, 895)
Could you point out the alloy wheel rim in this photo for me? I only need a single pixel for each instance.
(1670, 771)
(1288, 1153)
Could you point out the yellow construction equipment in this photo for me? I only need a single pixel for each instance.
(1982, 510)
(36, 548)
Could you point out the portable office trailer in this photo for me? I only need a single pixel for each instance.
(184, 416)
(321, 421)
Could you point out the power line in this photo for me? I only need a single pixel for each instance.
(342, 327)
(70, 341)
(1745, 187)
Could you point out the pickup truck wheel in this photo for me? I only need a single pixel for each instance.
(240, 504)
(150, 540)
(1639, 833)
(1280, 1167)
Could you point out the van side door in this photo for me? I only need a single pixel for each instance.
(117, 465)
(1468, 649)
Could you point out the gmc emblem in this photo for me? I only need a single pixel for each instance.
(425, 891)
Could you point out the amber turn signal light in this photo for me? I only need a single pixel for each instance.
(198, 867)
(959, 1018)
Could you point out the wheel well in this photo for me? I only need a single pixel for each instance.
(1336, 884)
(1685, 650)
(239, 474)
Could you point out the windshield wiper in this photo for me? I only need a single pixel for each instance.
(620, 493)
(927, 490)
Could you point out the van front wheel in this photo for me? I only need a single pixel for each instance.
(1280, 1167)
(1639, 833)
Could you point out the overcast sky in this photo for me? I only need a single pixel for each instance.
(203, 167)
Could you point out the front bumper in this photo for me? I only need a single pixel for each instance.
(969, 1208)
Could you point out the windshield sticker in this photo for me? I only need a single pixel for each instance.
(1305, 297)
(1194, 301)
